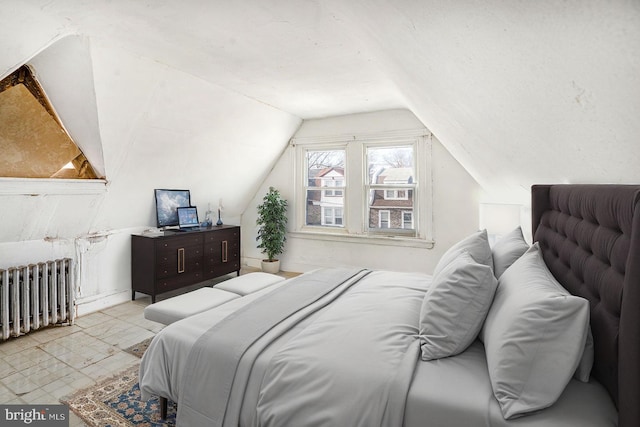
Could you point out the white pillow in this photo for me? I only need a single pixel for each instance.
(534, 336)
(455, 306)
(476, 244)
(507, 250)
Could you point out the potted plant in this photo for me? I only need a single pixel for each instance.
(272, 221)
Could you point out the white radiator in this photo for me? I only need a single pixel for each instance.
(36, 296)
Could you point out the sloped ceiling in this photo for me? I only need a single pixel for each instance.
(520, 92)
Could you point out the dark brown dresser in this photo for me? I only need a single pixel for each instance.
(176, 259)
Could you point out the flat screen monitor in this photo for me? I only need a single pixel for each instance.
(188, 217)
(167, 204)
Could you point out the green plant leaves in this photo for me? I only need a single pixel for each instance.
(272, 222)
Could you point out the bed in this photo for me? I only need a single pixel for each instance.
(358, 347)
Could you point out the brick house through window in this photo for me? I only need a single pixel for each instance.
(326, 206)
(392, 207)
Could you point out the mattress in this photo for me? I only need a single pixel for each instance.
(456, 391)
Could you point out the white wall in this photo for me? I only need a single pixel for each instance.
(155, 127)
(65, 69)
(455, 200)
(520, 92)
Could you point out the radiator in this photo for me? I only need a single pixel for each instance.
(36, 296)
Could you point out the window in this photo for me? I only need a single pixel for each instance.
(324, 175)
(384, 218)
(332, 216)
(407, 219)
(395, 195)
(391, 184)
(373, 186)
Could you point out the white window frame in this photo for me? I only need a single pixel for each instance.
(394, 195)
(331, 198)
(333, 217)
(403, 222)
(386, 213)
(355, 215)
(371, 187)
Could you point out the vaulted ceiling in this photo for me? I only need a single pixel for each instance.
(520, 92)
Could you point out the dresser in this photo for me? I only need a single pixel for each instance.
(177, 259)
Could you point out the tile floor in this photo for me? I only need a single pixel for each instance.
(45, 365)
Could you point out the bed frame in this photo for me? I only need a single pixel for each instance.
(590, 240)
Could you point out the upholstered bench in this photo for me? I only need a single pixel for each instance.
(249, 283)
(194, 302)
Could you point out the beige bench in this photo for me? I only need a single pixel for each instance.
(176, 308)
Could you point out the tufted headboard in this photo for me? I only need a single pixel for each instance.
(590, 240)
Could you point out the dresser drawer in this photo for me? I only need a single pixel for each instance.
(176, 259)
(177, 282)
(170, 245)
(171, 262)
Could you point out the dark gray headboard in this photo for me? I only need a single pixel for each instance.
(590, 240)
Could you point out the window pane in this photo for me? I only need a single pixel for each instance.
(322, 210)
(391, 213)
(314, 210)
(407, 220)
(338, 216)
(391, 176)
(383, 219)
(332, 216)
(325, 187)
(325, 168)
(390, 165)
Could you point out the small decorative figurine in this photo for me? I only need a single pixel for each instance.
(208, 222)
(219, 210)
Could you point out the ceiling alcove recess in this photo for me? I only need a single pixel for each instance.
(33, 141)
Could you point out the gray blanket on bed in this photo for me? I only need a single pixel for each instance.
(214, 358)
(319, 377)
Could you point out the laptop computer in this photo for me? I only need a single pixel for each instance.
(188, 218)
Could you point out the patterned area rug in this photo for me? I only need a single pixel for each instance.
(115, 402)
(139, 349)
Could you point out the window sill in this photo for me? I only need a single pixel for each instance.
(37, 186)
(364, 239)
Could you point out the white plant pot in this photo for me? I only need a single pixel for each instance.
(271, 266)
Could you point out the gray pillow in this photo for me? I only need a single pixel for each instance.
(476, 244)
(534, 336)
(583, 373)
(455, 306)
(507, 250)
